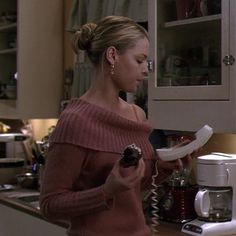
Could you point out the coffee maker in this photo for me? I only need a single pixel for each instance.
(215, 201)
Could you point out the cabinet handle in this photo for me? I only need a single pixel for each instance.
(229, 60)
(150, 65)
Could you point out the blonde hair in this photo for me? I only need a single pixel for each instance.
(118, 31)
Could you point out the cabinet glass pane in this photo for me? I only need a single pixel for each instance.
(189, 43)
(8, 49)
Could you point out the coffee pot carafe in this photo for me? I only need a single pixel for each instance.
(215, 201)
(176, 198)
(214, 204)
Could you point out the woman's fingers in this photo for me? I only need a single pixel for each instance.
(117, 182)
(137, 174)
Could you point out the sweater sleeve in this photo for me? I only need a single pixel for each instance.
(58, 198)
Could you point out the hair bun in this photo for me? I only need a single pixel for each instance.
(83, 37)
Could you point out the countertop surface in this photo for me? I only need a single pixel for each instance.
(169, 229)
(9, 199)
(164, 229)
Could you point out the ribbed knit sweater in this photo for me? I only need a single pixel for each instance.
(85, 144)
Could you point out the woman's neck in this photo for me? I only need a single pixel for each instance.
(102, 91)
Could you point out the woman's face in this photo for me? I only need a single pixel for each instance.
(131, 66)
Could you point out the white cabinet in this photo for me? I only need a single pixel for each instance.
(193, 82)
(17, 223)
(38, 60)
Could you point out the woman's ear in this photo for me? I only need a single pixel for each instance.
(111, 55)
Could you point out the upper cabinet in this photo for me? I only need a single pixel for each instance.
(193, 54)
(31, 58)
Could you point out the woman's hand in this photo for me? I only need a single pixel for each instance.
(181, 163)
(121, 179)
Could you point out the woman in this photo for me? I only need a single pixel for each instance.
(84, 182)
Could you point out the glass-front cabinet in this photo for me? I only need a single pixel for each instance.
(8, 49)
(193, 59)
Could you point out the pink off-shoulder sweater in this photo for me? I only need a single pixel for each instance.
(83, 148)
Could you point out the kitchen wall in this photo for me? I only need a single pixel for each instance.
(222, 143)
(40, 127)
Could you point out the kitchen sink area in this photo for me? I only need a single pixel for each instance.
(32, 200)
(28, 197)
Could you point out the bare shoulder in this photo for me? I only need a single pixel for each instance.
(132, 111)
(141, 115)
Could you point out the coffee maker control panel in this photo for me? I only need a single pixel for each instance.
(192, 228)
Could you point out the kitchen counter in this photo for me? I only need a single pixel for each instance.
(11, 199)
(8, 199)
(164, 229)
(172, 229)
(167, 229)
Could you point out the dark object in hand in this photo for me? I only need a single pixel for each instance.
(131, 156)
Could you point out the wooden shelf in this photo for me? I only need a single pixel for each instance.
(192, 21)
(7, 27)
(8, 51)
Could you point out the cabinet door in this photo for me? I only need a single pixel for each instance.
(17, 223)
(190, 44)
(193, 55)
(39, 60)
(8, 52)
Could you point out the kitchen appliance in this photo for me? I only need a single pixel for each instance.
(28, 180)
(12, 146)
(178, 204)
(9, 168)
(215, 202)
(176, 198)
